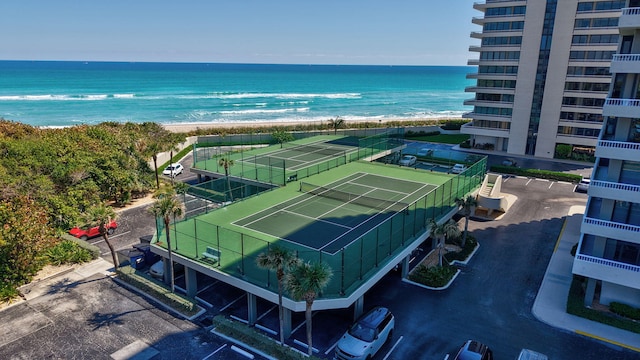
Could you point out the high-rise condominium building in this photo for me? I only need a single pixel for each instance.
(608, 254)
(543, 75)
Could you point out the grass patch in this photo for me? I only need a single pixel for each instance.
(68, 252)
(575, 306)
(158, 291)
(250, 336)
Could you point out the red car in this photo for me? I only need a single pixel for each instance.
(85, 234)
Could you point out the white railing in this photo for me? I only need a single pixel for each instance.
(610, 263)
(619, 145)
(611, 224)
(622, 102)
(615, 186)
(626, 57)
(631, 11)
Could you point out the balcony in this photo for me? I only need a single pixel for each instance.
(468, 128)
(625, 63)
(615, 191)
(607, 270)
(620, 150)
(611, 229)
(628, 108)
(629, 20)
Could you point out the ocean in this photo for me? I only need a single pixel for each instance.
(64, 93)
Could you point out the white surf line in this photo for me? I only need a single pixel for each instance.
(215, 352)
(393, 348)
(231, 303)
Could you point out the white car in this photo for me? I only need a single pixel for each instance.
(173, 170)
(458, 168)
(408, 160)
(363, 340)
(583, 185)
(425, 152)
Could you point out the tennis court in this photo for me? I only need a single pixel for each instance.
(328, 218)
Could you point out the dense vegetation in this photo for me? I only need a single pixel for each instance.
(49, 177)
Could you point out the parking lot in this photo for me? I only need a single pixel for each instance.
(490, 301)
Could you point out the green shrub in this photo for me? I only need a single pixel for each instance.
(625, 310)
(464, 253)
(248, 335)
(435, 276)
(67, 252)
(536, 173)
(575, 306)
(453, 124)
(158, 291)
(563, 151)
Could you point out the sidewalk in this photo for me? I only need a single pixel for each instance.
(550, 304)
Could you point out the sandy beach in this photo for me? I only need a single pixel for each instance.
(187, 127)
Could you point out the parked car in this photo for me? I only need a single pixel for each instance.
(85, 234)
(473, 350)
(157, 270)
(458, 168)
(425, 152)
(583, 185)
(527, 354)
(366, 336)
(509, 162)
(408, 160)
(173, 170)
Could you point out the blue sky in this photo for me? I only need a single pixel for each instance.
(391, 32)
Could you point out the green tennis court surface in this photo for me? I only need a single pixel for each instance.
(330, 217)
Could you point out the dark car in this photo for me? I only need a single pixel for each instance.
(509, 162)
(473, 350)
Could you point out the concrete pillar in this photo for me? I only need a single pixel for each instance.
(286, 330)
(166, 275)
(590, 292)
(192, 282)
(252, 309)
(405, 266)
(358, 307)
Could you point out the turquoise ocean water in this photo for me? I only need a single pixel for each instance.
(67, 93)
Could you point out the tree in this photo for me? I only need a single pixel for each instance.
(181, 188)
(336, 123)
(101, 216)
(281, 137)
(305, 282)
(440, 232)
(466, 204)
(226, 163)
(165, 206)
(280, 260)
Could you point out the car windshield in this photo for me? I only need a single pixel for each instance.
(362, 332)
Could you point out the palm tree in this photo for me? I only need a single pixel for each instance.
(466, 204)
(101, 216)
(336, 123)
(165, 206)
(181, 188)
(305, 282)
(278, 259)
(441, 231)
(226, 163)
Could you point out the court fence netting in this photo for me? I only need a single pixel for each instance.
(352, 264)
(255, 163)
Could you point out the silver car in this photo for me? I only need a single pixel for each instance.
(365, 337)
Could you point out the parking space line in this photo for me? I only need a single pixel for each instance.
(231, 303)
(110, 237)
(393, 348)
(550, 185)
(242, 352)
(528, 182)
(266, 313)
(331, 348)
(216, 351)
(204, 288)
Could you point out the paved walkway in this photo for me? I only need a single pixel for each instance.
(550, 304)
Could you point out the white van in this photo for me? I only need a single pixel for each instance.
(527, 354)
(365, 337)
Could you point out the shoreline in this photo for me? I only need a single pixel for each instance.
(190, 127)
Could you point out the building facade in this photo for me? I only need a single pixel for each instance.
(608, 254)
(543, 75)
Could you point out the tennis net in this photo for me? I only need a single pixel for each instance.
(324, 150)
(368, 201)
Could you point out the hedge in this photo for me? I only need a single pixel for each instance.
(536, 173)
